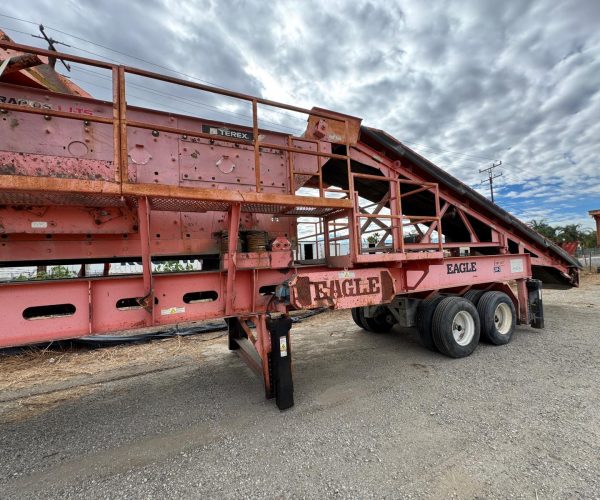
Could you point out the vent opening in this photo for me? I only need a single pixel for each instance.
(128, 303)
(50, 311)
(195, 297)
(267, 289)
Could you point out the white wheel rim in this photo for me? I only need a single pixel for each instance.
(503, 318)
(463, 328)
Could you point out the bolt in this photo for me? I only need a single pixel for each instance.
(155, 133)
(86, 123)
(47, 117)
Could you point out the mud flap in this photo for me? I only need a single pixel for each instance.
(281, 361)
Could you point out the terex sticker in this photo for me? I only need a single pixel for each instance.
(228, 132)
(39, 224)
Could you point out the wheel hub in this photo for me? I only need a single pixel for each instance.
(463, 328)
(502, 318)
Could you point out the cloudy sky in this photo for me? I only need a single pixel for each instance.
(463, 83)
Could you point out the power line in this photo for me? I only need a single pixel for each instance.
(51, 46)
(466, 156)
(111, 49)
(130, 56)
(475, 158)
(15, 30)
(199, 103)
(184, 100)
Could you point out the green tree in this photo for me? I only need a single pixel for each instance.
(570, 232)
(588, 239)
(545, 229)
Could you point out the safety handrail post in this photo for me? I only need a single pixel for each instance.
(256, 143)
(116, 100)
(439, 217)
(401, 222)
(123, 127)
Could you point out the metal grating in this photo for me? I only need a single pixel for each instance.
(260, 208)
(159, 204)
(178, 205)
(311, 211)
(77, 199)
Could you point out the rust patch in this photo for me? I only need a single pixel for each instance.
(387, 287)
(303, 291)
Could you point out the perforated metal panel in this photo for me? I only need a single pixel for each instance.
(76, 199)
(177, 205)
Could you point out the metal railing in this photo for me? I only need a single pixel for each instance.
(120, 122)
(398, 220)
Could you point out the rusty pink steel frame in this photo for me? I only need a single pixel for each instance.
(111, 182)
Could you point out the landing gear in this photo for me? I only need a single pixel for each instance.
(264, 344)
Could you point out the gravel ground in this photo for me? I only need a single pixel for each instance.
(375, 416)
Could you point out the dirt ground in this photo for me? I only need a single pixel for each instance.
(375, 416)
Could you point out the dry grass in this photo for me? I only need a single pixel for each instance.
(34, 366)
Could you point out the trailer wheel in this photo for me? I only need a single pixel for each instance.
(356, 316)
(359, 318)
(473, 296)
(498, 317)
(381, 322)
(424, 319)
(456, 327)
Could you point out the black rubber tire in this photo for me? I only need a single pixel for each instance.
(442, 326)
(424, 318)
(474, 296)
(486, 308)
(363, 321)
(380, 323)
(356, 317)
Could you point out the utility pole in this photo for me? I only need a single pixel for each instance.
(51, 46)
(491, 176)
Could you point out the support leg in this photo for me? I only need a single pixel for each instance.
(263, 347)
(535, 304)
(267, 352)
(148, 300)
(281, 361)
(234, 225)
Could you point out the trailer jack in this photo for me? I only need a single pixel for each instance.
(266, 350)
